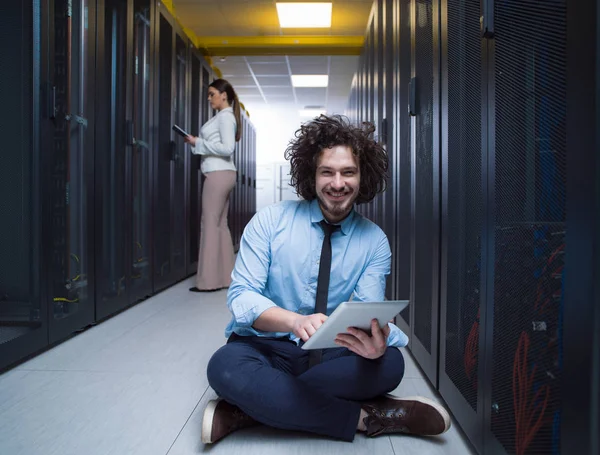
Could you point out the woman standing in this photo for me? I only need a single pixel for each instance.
(216, 144)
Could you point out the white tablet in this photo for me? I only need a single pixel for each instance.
(353, 314)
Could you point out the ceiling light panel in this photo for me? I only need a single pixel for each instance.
(304, 15)
(310, 80)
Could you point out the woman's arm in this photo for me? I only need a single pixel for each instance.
(224, 147)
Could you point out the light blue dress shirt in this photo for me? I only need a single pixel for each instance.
(278, 265)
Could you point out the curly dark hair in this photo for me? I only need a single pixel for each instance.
(328, 131)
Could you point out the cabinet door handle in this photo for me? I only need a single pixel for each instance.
(412, 97)
(487, 19)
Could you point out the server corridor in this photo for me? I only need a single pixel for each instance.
(488, 113)
(136, 384)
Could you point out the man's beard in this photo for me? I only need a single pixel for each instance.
(336, 209)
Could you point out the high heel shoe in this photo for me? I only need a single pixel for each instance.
(195, 289)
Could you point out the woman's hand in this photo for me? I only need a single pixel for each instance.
(359, 342)
(189, 139)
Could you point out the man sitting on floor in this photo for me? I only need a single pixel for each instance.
(262, 375)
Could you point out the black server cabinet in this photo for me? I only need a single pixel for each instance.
(580, 382)
(464, 179)
(199, 115)
(71, 234)
(526, 248)
(248, 173)
(380, 97)
(425, 162)
(143, 104)
(113, 153)
(122, 165)
(387, 128)
(169, 214)
(23, 299)
(233, 213)
(401, 169)
(241, 203)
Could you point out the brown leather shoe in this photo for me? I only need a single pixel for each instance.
(221, 418)
(411, 415)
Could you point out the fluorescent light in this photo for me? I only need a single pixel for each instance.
(311, 112)
(304, 15)
(314, 80)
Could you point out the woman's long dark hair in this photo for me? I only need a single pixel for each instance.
(223, 86)
(328, 131)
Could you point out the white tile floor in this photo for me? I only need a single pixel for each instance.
(136, 384)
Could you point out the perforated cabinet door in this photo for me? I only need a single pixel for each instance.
(528, 153)
(464, 159)
(23, 307)
(425, 162)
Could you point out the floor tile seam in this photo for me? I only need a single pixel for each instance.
(187, 420)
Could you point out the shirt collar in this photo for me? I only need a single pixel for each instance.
(316, 216)
(225, 109)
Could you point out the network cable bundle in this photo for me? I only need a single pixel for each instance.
(527, 337)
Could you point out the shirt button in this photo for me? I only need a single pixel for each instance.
(318, 262)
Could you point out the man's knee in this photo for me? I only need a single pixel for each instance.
(394, 366)
(227, 369)
(220, 370)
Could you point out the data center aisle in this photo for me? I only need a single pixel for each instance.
(136, 384)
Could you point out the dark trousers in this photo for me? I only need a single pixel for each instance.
(269, 380)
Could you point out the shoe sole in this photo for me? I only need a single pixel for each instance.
(207, 421)
(433, 404)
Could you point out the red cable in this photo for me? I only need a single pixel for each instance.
(472, 348)
(525, 410)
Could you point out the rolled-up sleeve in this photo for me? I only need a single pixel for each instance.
(223, 147)
(245, 298)
(371, 286)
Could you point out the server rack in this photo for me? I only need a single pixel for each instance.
(72, 111)
(464, 179)
(142, 140)
(169, 216)
(425, 185)
(122, 159)
(386, 61)
(504, 167)
(580, 383)
(23, 123)
(401, 172)
(199, 115)
(107, 212)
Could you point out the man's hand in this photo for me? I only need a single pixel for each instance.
(305, 326)
(359, 342)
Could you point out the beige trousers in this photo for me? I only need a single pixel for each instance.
(215, 255)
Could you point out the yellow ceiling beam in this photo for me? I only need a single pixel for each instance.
(280, 45)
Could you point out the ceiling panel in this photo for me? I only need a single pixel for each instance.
(266, 59)
(311, 96)
(237, 81)
(309, 64)
(274, 81)
(278, 91)
(270, 69)
(259, 18)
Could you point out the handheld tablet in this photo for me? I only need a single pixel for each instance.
(353, 314)
(179, 131)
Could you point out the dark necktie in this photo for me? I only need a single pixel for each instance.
(323, 283)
